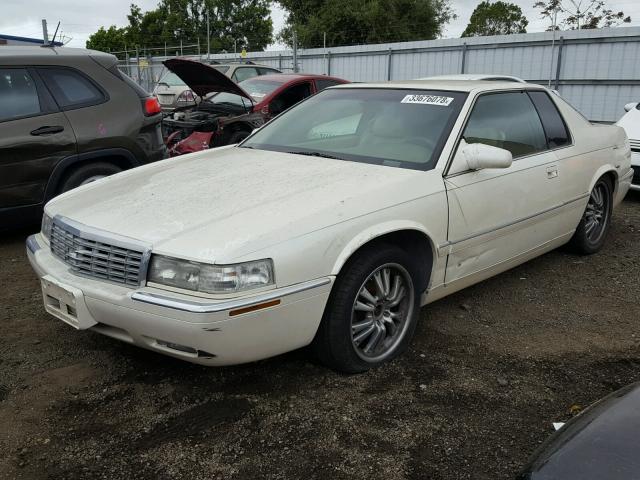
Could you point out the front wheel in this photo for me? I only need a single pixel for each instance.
(592, 230)
(372, 312)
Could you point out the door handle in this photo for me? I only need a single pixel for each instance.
(552, 172)
(47, 130)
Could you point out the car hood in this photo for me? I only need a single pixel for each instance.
(600, 443)
(203, 79)
(225, 203)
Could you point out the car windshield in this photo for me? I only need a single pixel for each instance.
(393, 127)
(172, 80)
(257, 88)
(221, 68)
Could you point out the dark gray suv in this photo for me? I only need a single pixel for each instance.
(67, 117)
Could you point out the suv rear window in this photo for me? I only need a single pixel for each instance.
(70, 88)
(18, 94)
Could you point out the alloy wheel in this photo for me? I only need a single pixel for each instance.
(381, 312)
(596, 216)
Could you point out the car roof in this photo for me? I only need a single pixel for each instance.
(241, 64)
(47, 52)
(477, 76)
(289, 77)
(453, 85)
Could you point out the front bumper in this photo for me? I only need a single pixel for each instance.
(203, 331)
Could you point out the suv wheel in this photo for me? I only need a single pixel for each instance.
(87, 174)
(372, 312)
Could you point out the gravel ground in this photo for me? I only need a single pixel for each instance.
(489, 370)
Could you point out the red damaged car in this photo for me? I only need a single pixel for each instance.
(226, 112)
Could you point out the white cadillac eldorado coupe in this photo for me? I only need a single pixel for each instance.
(332, 224)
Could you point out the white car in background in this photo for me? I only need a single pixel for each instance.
(332, 224)
(631, 123)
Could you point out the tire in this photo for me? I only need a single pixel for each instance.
(88, 173)
(336, 343)
(594, 226)
(237, 137)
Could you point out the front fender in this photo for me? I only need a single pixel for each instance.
(376, 231)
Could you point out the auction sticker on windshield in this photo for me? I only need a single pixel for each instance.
(428, 100)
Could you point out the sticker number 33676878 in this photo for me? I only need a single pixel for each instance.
(428, 100)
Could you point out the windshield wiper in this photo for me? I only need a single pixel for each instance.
(317, 154)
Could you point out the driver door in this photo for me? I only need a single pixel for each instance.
(499, 216)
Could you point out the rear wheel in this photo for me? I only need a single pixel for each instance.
(372, 312)
(87, 174)
(592, 230)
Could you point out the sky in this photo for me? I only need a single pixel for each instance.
(80, 18)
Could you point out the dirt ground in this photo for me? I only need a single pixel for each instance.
(489, 370)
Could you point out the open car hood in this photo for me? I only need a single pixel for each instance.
(203, 79)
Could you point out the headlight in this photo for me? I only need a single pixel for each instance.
(45, 228)
(201, 277)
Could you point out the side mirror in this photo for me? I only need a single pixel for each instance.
(630, 106)
(479, 156)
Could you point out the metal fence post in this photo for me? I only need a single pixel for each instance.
(295, 52)
(559, 63)
(279, 61)
(464, 57)
(390, 54)
(138, 65)
(329, 63)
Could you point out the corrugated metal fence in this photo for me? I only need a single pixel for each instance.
(598, 71)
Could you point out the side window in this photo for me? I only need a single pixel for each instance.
(506, 120)
(267, 71)
(289, 98)
(321, 83)
(71, 89)
(243, 73)
(18, 94)
(554, 126)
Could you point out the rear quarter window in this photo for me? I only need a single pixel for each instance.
(71, 89)
(554, 125)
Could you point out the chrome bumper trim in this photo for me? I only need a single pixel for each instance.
(32, 244)
(198, 307)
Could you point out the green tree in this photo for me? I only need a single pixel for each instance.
(113, 39)
(240, 23)
(580, 14)
(498, 18)
(349, 22)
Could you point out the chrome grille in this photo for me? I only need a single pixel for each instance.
(96, 259)
(635, 145)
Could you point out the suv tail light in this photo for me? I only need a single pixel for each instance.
(151, 106)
